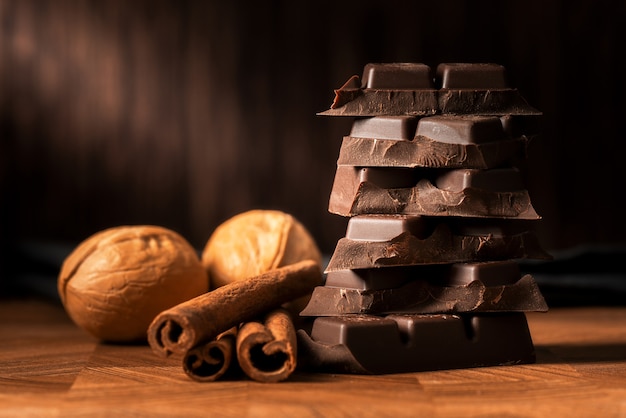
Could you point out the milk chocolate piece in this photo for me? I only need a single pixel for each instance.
(467, 89)
(425, 152)
(434, 244)
(366, 344)
(421, 297)
(470, 193)
(385, 127)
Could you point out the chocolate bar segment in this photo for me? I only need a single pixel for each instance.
(490, 273)
(497, 180)
(423, 297)
(487, 226)
(384, 177)
(469, 89)
(382, 278)
(465, 129)
(434, 244)
(365, 344)
(477, 76)
(383, 103)
(397, 76)
(384, 228)
(385, 127)
(371, 190)
(484, 102)
(425, 152)
(478, 88)
(387, 89)
(374, 227)
(521, 125)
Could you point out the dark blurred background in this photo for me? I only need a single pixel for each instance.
(185, 113)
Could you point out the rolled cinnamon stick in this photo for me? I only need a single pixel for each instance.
(201, 319)
(208, 362)
(267, 352)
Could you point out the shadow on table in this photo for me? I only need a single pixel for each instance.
(581, 353)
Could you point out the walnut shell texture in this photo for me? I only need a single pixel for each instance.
(255, 242)
(115, 282)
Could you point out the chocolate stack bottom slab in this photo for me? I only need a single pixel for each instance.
(368, 344)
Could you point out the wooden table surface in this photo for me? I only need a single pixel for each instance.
(49, 367)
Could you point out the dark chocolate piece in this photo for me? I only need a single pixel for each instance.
(478, 76)
(350, 90)
(425, 152)
(461, 129)
(490, 273)
(373, 227)
(484, 102)
(348, 178)
(388, 89)
(478, 88)
(521, 125)
(383, 103)
(385, 127)
(384, 228)
(432, 245)
(469, 89)
(421, 297)
(374, 190)
(397, 76)
(365, 344)
(498, 180)
(467, 141)
(385, 278)
(461, 287)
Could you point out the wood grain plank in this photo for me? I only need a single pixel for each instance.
(49, 367)
(41, 350)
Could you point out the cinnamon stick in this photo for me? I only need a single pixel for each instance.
(210, 361)
(201, 319)
(267, 351)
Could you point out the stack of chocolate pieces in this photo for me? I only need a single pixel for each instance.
(427, 276)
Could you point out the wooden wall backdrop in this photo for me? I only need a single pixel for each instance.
(184, 113)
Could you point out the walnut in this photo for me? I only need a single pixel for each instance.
(115, 282)
(255, 242)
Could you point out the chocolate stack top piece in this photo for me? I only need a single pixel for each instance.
(456, 88)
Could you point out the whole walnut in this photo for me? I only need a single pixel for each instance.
(115, 282)
(254, 242)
